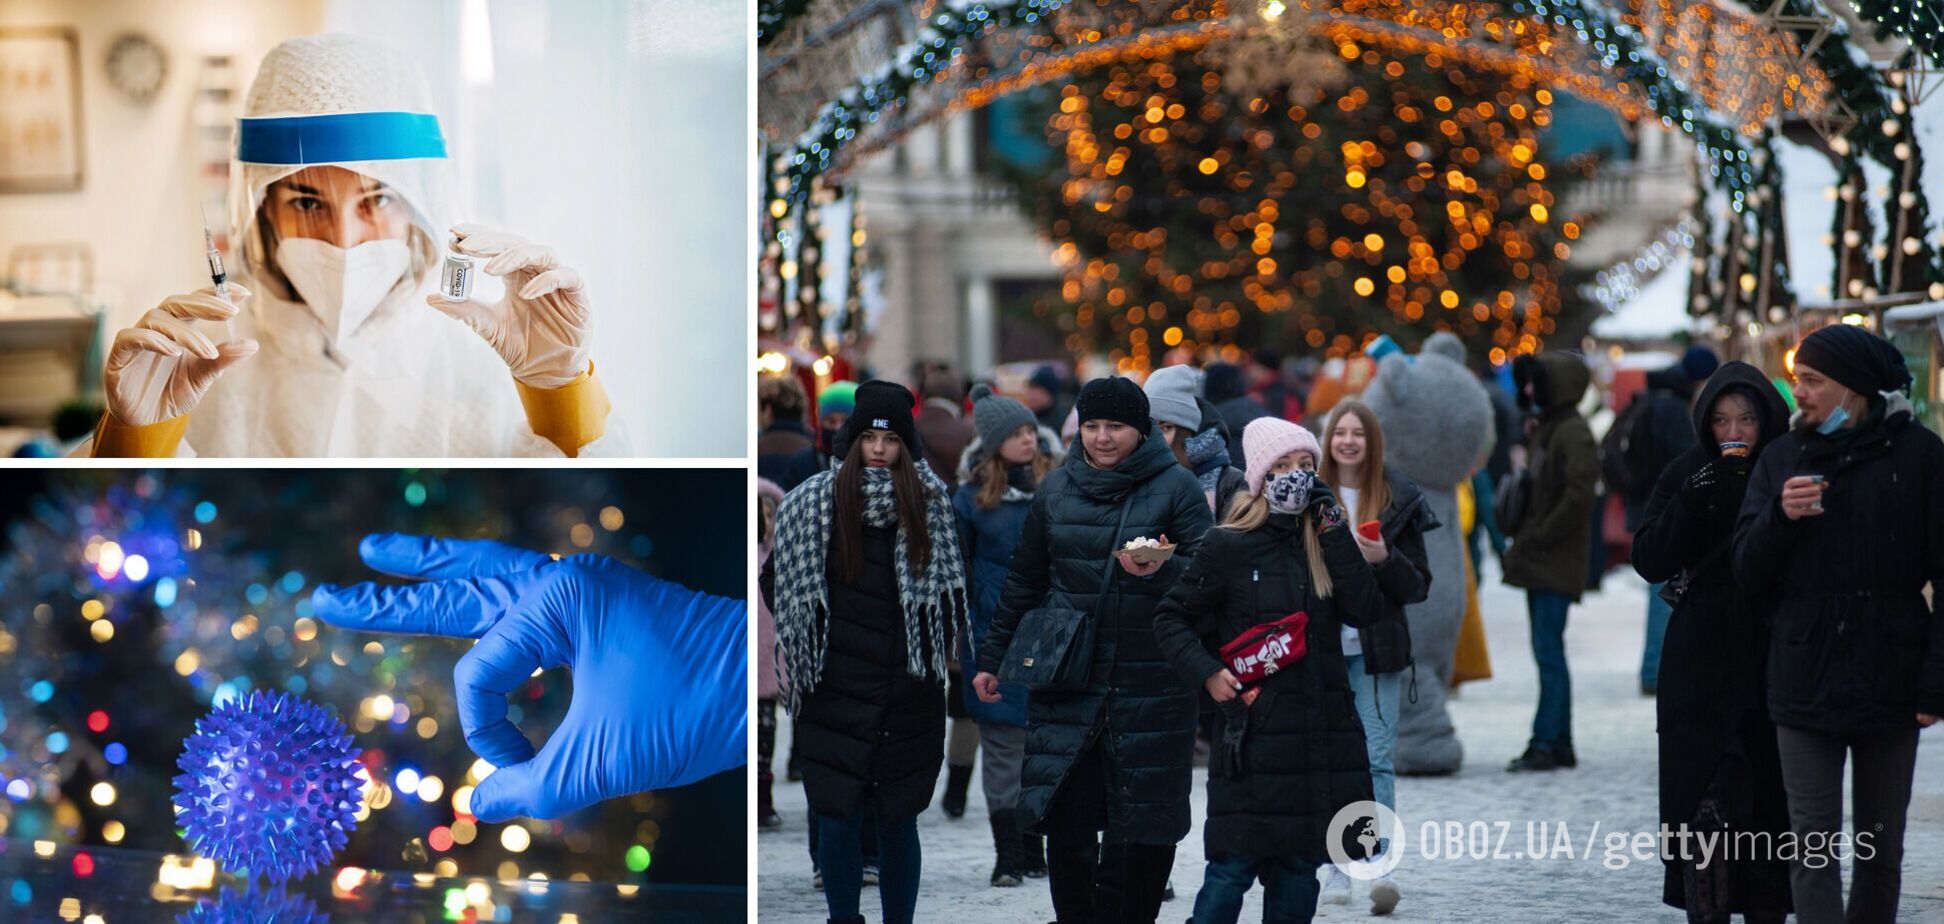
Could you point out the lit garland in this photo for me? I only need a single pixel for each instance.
(938, 45)
(1618, 48)
(1917, 21)
(1621, 283)
(773, 16)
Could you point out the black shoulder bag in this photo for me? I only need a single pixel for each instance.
(1512, 499)
(1052, 650)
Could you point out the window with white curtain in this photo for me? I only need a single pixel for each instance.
(616, 132)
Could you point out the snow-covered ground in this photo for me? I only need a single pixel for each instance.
(1613, 787)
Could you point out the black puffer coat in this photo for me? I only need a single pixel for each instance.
(1713, 722)
(1303, 754)
(870, 728)
(1404, 577)
(1133, 704)
(1855, 649)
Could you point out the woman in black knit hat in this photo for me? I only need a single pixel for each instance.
(1114, 754)
(869, 590)
(1844, 521)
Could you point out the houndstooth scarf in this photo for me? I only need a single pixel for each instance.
(933, 600)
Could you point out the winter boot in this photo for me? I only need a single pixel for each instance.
(957, 781)
(1535, 760)
(1005, 846)
(1032, 856)
(1032, 849)
(853, 919)
(766, 816)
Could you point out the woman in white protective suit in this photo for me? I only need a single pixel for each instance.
(334, 342)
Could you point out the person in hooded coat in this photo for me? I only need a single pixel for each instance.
(1115, 756)
(1856, 652)
(1551, 548)
(1716, 740)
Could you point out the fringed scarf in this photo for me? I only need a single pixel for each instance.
(933, 599)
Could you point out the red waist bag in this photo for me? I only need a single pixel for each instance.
(1267, 648)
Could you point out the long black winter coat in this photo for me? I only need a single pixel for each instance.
(1303, 754)
(1855, 648)
(1711, 715)
(1133, 706)
(870, 729)
(1404, 577)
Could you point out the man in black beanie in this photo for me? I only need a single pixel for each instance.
(1856, 659)
(1855, 358)
(882, 405)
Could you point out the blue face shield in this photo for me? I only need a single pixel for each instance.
(336, 138)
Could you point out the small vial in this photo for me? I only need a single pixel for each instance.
(456, 275)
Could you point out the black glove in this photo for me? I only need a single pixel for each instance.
(1226, 760)
(1715, 480)
(1329, 511)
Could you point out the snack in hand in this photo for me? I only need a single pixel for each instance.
(1144, 550)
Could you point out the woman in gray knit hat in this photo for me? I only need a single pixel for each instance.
(1001, 470)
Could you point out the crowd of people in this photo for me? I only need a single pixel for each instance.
(1279, 582)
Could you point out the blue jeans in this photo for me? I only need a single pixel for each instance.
(840, 846)
(1658, 613)
(1289, 889)
(1552, 725)
(1379, 699)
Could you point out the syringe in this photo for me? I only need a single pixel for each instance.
(216, 273)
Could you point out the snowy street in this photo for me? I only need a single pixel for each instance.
(1613, 787)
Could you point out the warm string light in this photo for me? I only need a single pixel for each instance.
(220, 621)
(1190, 218)
(1609, 52)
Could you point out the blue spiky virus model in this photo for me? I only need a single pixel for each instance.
(253, 906)
(269, 784)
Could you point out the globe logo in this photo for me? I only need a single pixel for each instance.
(1356, 837)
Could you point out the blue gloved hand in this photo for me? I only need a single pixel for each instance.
(660, 672)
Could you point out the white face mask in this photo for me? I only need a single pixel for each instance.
(342, 287)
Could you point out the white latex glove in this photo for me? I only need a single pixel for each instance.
(161, 367)
(542, 327)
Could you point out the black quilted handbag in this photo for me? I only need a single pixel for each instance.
(1052, 650)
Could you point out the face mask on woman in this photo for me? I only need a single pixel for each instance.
(1289, 492)
(343, 287)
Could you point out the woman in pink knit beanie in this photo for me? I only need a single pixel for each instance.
(1257, 623)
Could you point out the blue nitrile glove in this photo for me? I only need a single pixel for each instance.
(660, 671)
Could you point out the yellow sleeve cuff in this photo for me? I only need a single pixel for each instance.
(570, 416)
(116, 440)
